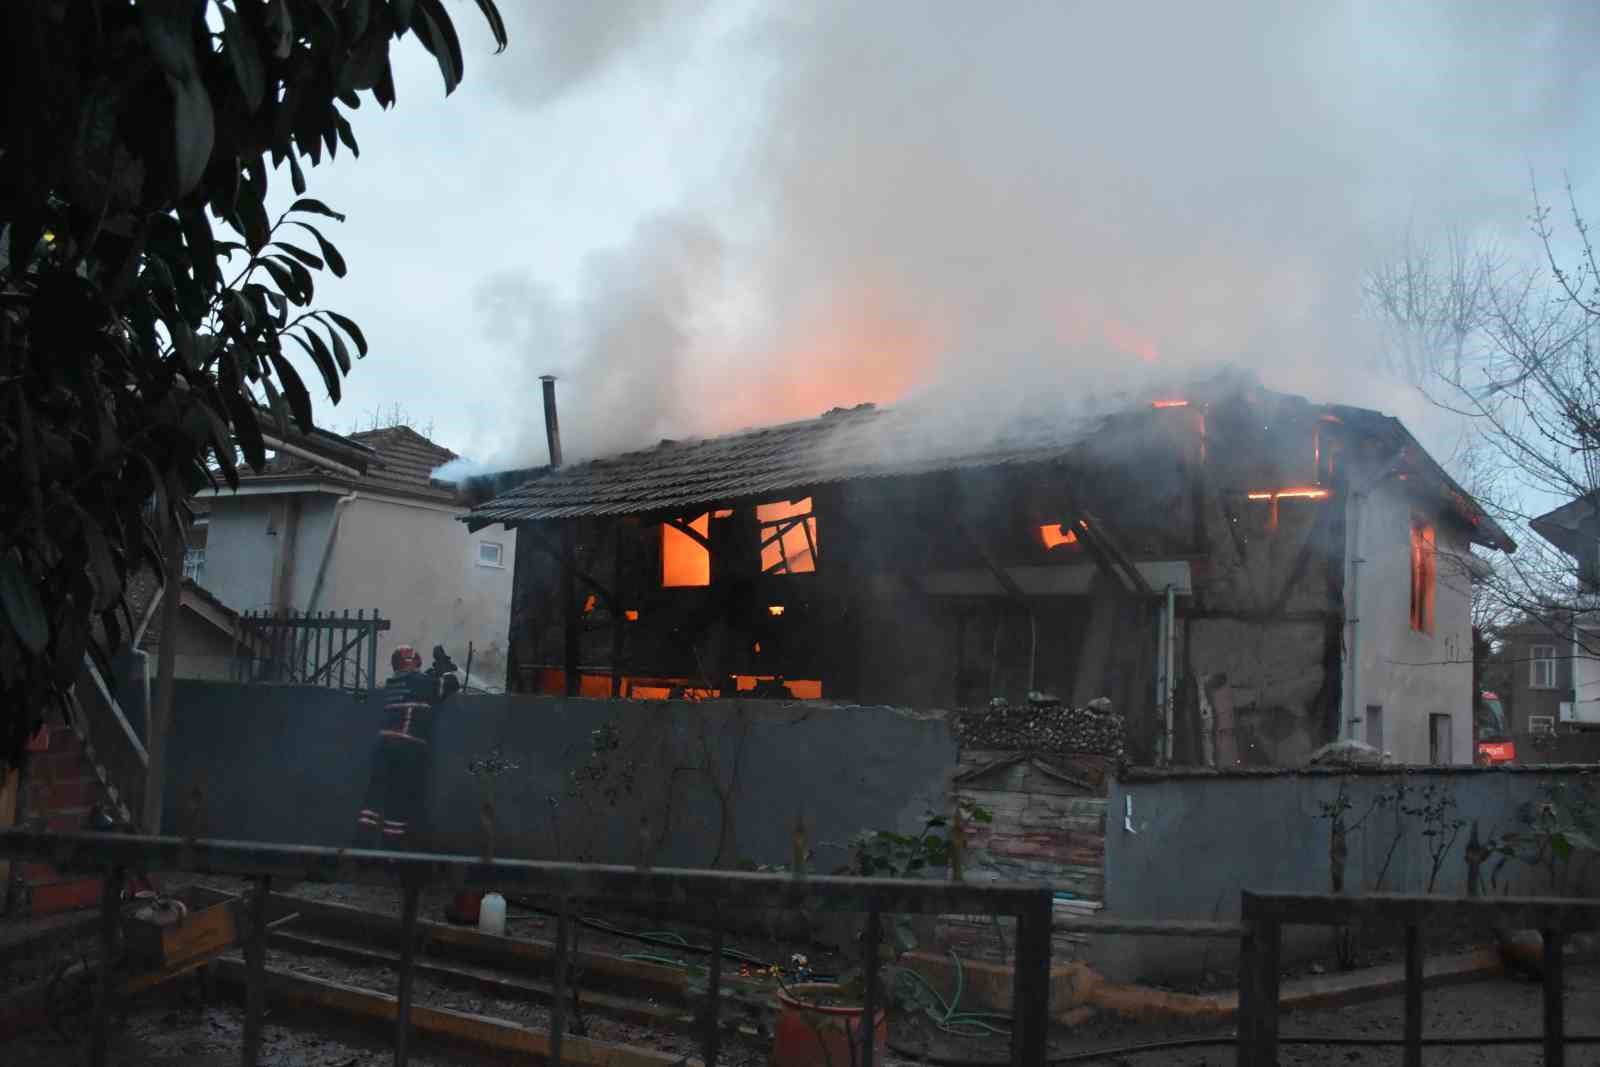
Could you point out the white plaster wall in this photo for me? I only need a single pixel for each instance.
(418, 566)
(1411, 675)
(240, 552)
(1586, 672)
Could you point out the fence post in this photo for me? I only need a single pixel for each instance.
(1031, 980)
(255, 963)
(372, 653)
(869, 1001)
(713, 1010)
(1555, 1048)
(1413, 1051)
(558, 985)
(1257, 1029)
(408, 957)
(110, 927)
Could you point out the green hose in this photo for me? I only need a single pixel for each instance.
(960, 1023)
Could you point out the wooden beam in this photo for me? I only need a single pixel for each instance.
(567, 562)
(689, 531)
(499, 1034)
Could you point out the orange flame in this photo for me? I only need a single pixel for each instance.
(631, 615)
(774, 610)
(798, 540)
(685, 561)
(1306, 493)
(1169, 403)
(1054, 536)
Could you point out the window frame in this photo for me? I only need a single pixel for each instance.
(194, 564)
(1536, 661)
(499, 561)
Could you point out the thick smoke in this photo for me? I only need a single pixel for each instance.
(1017, 203)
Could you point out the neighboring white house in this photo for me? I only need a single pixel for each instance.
(1575, 529)
(310, 535)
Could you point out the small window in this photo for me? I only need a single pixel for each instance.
(194, 564)
(1375, 726)
(491, 554)
(1542, 667)
(1423, 564)
(1439, 739)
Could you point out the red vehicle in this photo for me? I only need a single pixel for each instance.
(1495, 745)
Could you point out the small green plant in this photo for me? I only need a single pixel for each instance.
(1562, 823)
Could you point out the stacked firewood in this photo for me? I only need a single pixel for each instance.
(1044, 724)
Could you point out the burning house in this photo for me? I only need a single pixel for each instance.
(1246, 575)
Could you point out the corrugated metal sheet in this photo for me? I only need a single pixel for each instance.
(861, 442)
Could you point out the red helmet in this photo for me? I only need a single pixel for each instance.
(406, 658)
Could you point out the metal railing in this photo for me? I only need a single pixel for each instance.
(1265, 914)
(706, 895)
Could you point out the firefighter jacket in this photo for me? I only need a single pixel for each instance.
(410, 702)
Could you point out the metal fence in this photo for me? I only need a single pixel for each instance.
(323, 648)
(1265, 914)
(707, 895)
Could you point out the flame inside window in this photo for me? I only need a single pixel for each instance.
(1055, 536)
(685, 561)
(588, 604)
(788, 537)
(631, 615)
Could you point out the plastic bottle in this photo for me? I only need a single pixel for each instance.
(492, 915)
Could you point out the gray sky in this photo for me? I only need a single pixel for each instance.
(706, 215)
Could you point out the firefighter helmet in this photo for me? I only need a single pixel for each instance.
(406, 658)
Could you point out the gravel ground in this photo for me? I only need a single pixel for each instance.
(177, 1027)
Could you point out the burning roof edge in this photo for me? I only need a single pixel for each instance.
(505, 507)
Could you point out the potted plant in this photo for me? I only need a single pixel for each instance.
(822, 1024)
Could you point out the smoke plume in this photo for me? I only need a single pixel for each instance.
(1007, 202)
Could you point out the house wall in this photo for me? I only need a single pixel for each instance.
(418, 566)
(246, 542)
(1585, 677)
(1525, 701)
(1411, 675)
(204, 652)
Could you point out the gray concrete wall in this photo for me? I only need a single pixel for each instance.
(1264, 831)
(291, 764)
(1198, 840)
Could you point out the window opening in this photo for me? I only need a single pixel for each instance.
(788, 537)
(490, 554)
(1543, 663)
(194, 564)
(1439, 738)
(685, 561)
(1424, 553)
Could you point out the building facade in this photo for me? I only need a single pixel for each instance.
(1244, 575)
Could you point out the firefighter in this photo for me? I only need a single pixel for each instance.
(400, 757)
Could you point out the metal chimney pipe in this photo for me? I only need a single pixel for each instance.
(552, 427)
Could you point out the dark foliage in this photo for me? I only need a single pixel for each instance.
(149, 307)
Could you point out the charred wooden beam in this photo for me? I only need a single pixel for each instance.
(566, 555)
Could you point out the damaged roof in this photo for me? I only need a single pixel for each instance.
(862, 442)
(843, 445)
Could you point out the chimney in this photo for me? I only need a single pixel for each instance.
(552, 428)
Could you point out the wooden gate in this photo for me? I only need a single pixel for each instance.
(326, 649)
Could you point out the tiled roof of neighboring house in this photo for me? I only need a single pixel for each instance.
(1573, 526)
(403, 462)
(869, 442)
